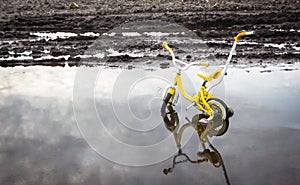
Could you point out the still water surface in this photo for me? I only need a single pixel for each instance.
(57, 130)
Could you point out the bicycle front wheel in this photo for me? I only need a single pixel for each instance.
(168, 114)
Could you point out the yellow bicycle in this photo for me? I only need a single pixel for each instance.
(214, 111)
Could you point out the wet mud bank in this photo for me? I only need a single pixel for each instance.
(55, 33)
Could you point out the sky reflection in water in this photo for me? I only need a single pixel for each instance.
(40, 142)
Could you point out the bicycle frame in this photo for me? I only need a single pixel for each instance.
(198, 99)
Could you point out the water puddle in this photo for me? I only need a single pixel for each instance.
(107, 117)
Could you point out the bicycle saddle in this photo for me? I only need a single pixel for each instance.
(214, 75)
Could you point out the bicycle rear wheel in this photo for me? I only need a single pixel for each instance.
(220, 120)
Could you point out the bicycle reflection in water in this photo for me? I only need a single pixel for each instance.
(209, 153)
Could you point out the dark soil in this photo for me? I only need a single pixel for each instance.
(274, 21)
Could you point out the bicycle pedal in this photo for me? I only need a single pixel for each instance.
(203, 121)
(230, 112)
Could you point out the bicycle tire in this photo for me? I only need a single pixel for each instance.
(164, 104)
(172, 122)
(225, 119)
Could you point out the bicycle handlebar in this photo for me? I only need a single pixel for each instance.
(242, 34)
(186, 65)
(236, 40)
(206, 64)
(165, 45)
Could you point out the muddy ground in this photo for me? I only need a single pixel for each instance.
(276, 23)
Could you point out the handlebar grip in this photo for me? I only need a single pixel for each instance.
(165, 45)
(242, 34)
(205, 64)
